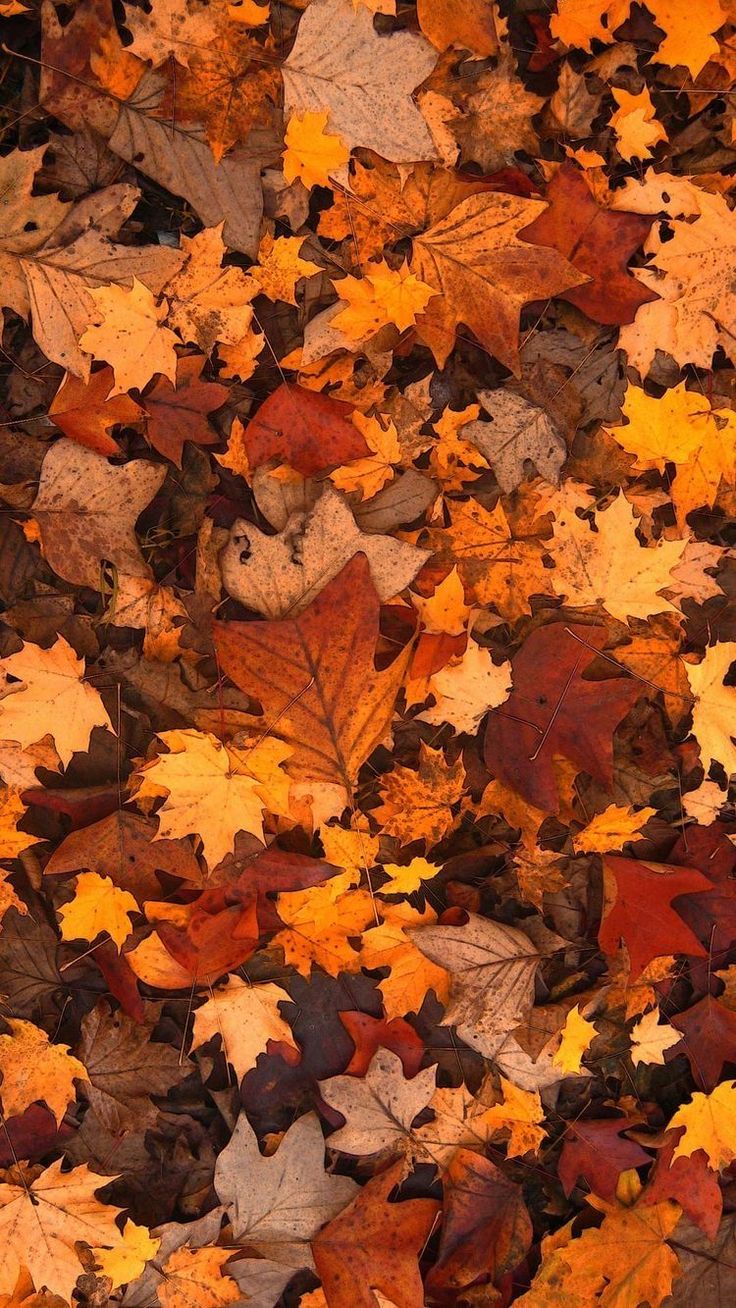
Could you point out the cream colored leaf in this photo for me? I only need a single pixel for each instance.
(380, 1107)
(650, 1039)
(278, 1204)
(608, 566)
(465, 690)
(41, 1223)
(280, 575)
(339, 62)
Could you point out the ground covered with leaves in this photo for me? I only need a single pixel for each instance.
(368, 467)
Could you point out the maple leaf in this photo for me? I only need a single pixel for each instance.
(339, 62)
(498, 557)
(129, 335)
(466, 689)
(713, 705)
(599, 1152)
(215, 790)
(405, 880)
(684, 42)
(418, 805)
(86, 411)
(98, 906)
(694, 313)
(611, 829)
(319, 924)
(576, 1038)
(41, 1223)
(411, 975)
(280, 267)
(597, 242)
(196, 1279)
(246, 1017)
(206, 302)
(635, 124)
(708, 1035)
(520, 1113)
(87, 509)
(708, 1120)
(12, 810)
(382, 295)
(608, 566)
(178, 413)
(313, 154)
(277, 1204)
(553, 710)
(680, 428)
(33, 1069)
(316, 680)
(48, 695)
(484, 274)
(662, 931)
(380, 1251)
(460, 1119)
(124, 847)
(650, 1039)
(126, 1262)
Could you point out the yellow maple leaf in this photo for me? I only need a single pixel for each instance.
(130, 336)
(127, 1261)
(411, 974)
(368, 475)
(681, 428)
(710, 1124)
(354, 850)
(453, 459)
(312, 153)
(246, 1016)
(49, 697)
(206, 302)
(417, 805)
(445, 609)
(499, 562)
(98, 906)
(405, 880)
(249, 13)
(611, 829)
(688, 36)
(12, 809)
(714, 705)
(650, 1039)
(577, 1036)
(635, 124)
(215, 790)
(381, 296)
(320, 923)
(36, 1071)
(194, 1278)
(520, 1114)
(280, 267)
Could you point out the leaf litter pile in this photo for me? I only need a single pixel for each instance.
(368, 466)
